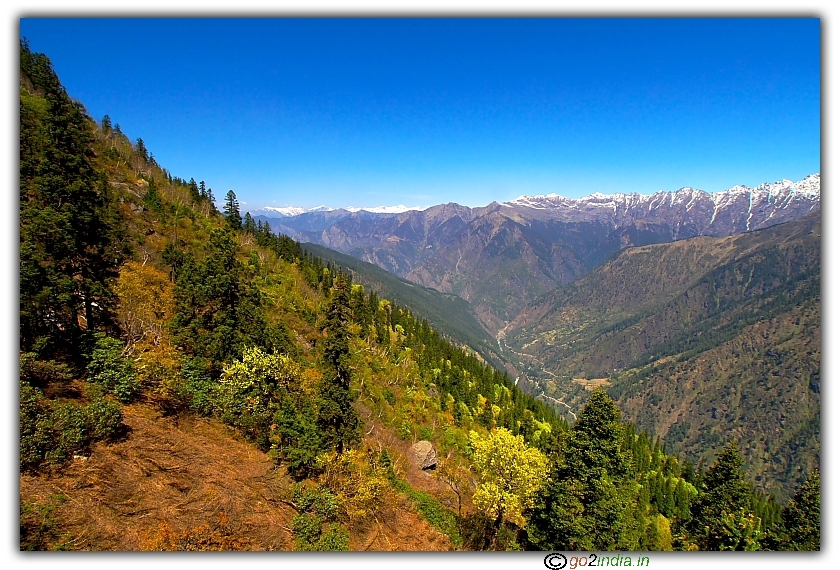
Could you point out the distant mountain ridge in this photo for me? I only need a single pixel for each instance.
(502, 256)
(700, 341)
(737, 208)
(290, 211)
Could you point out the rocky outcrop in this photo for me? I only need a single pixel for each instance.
(423, 455)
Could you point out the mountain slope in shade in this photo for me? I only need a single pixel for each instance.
(449, 314)
(700, 341)
(503, 256)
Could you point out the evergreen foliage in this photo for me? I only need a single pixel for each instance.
(799, 528)
(232, 211)
(284, 347)
(70, 231)
(218, 309)
(589, 499)
(337, 419)
(721, 517)
(110, 369)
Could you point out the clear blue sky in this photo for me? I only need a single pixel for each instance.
(369, 112)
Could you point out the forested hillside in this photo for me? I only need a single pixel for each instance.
(700, 341)
(449, 314)
(195, 381)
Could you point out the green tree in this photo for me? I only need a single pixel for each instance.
(141, 149)
(800, 525)
(70, 230)
(721, 518)
(217, 308)
(251, 388)
(249, 225)
(337, 419)
(232, 211)
(588, 503)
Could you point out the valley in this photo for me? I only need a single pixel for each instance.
(619, 372)
(626, 292)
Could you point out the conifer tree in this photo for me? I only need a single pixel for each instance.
(721, 518)
(337, 418)
(142, 150)
(232, 211)
(218, 310)
(589, 496)
(800, 525)
(70, 231)
(249, 226)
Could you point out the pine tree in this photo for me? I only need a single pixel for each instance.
(589, 498)
(249, 226)
(142, 150)
(721, 518)
(218, 309)
(192, 186)
(337, 419)
(799, 528)
(70, 231)
(232, 211)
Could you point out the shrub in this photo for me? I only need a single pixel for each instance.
(41, 372)
(51, 431)
(110, 369)
(65, 426)
(103, 419)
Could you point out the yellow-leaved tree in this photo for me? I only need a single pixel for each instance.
(146, 303)
(510, 475)
(145, 307)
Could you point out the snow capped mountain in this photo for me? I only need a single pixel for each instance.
(501, 257)
(808, 188)
(273, 212)
(688, 211)
(385, 209)
(288, 211)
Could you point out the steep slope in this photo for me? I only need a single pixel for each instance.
(209, 360)
(700, 341)
(189, 483)
(501, 257)
(449, 314)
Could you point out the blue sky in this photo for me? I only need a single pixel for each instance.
(369, 112)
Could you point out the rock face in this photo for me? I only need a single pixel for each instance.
(423, 455)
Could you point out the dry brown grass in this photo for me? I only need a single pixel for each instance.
(191, 483)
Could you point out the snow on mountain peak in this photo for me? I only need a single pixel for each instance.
(384, 209)
(808, 187)
(289, 211)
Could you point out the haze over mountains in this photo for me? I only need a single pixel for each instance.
(502, 256)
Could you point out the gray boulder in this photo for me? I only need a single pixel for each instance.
(423, 455)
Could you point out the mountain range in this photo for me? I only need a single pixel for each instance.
(501, 257)
(697, 311)
(699, 341)
(192, 382)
